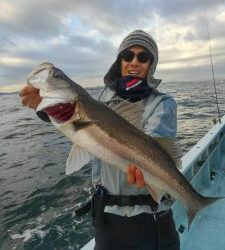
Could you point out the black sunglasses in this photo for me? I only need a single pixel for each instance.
(128, 55)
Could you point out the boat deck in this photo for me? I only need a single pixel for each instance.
(204, 166)
(208, 228)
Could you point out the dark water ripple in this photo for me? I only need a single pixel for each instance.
(37, 200)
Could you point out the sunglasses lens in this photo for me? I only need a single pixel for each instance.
(127, 55)
(143, 57)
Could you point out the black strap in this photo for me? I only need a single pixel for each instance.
(121, 200)
(131, 200)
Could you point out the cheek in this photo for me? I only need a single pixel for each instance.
(145, 70)
(124, 71)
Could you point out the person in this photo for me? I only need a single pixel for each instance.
(125, 215)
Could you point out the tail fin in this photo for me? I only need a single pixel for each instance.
(203, 202)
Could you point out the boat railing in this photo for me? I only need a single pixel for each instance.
(200, 166)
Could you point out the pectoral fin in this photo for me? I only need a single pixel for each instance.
(77, 158)
(82, 124)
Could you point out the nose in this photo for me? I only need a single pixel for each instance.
(135, 61)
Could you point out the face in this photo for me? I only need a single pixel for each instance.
(135, 67)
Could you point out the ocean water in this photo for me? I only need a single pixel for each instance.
(37, 199)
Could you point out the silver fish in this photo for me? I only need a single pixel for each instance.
(96, 130)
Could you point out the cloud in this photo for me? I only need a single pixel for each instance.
(82, 36)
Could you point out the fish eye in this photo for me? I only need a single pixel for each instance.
(57, 75)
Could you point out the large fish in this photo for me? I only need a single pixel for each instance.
(96, 130)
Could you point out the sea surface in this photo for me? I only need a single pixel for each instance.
(37, 199)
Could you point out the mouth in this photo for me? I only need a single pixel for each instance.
(133, 72)
(61, 112)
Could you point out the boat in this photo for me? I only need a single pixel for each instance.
(204, 167)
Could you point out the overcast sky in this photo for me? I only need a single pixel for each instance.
(81, 37)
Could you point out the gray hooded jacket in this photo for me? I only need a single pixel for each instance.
(159, 120)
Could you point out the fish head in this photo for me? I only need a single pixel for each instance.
(58, 92)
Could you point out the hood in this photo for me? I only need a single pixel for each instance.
(140, 38)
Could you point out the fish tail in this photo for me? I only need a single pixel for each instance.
(203, 202)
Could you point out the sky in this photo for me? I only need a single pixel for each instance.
(82, 37)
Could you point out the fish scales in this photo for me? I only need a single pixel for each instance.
(95, 129)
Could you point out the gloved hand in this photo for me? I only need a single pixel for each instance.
(135, 176)
(30, 97)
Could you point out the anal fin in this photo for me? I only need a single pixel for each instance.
(156, 194)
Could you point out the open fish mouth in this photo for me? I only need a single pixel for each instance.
(61, 112)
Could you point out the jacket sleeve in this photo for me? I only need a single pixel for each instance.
(163, 120)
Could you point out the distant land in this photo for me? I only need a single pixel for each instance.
(11, 88)
(8, 89)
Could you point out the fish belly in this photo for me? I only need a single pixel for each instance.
(88, 141)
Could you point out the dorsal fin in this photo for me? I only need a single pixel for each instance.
(172, 147)
(130, 111)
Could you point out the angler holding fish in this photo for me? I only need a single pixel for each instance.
(120, 135)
